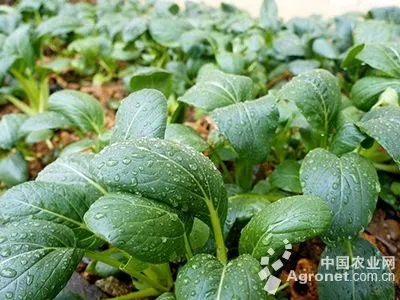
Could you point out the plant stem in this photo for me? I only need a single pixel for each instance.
(189, 253)
(218, 235)
(387, 168)
(124, 267)
(283, 286)
(244, 174)
(178, 115)
(20, 105)
(225, 172)
(166, 271)
(139, 294)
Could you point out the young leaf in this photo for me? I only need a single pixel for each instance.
(141, 114)
(243, 207)
(185, 135)
(365, 92)
(324, 48)
(383, 124)
(286, 176)
(349, 185)
(82, 109)
(349, 287)
(287, 43)
(58, 26)
(249, 127)
(13, 169)
(134, 29)
(150, 231)
(295, 219)
(165, 171)
(18, 46)
(151, 78)
(39, 136)
(168, 31)
(384, 57)
(200, 234)
(9, 130)
(204, 277)
(37, 259)
(55, 202)
(43, 121)
(232, 63)
(347, 136)
(269, 15)
(217, 89)
(317, 95)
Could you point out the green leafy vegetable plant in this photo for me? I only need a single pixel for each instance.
(145, 196)
(240, 136)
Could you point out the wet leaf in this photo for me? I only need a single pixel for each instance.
(204, 277)
(37, 258)
(294, 219)
(149, 231)
(141, 114)
(348, 184)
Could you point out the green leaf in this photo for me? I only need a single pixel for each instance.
(147, 230)
(9, 130)
(13, 169)
(383, 124)
(82, 109)
(204, 277)
(58, 26)
(134, 29)
(375, 31)
(91, 47)
(347, 136)
(349, 185)
(350, 286)
(18, 46)
(295, 219)
(5, 64)
(288, 44)
(39, 136)
(249, 127)
(324, 48)
(199, 235)
(286, 176)
(365, 92)
(73, 169)
(45, 120)
(79, 146)
(384, 57)
(168, 31)
(243, 207)
(388, 13)
(55, 202)
(141, 114)
(299, 66)
(151, 78)
(165, 171)
(317, 95)
(185, 135)
(37, 259)
(217, 89)
(166, 296)
(269, 15)
(350, 59)
(233, 63)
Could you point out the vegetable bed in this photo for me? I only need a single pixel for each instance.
(153, 152)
